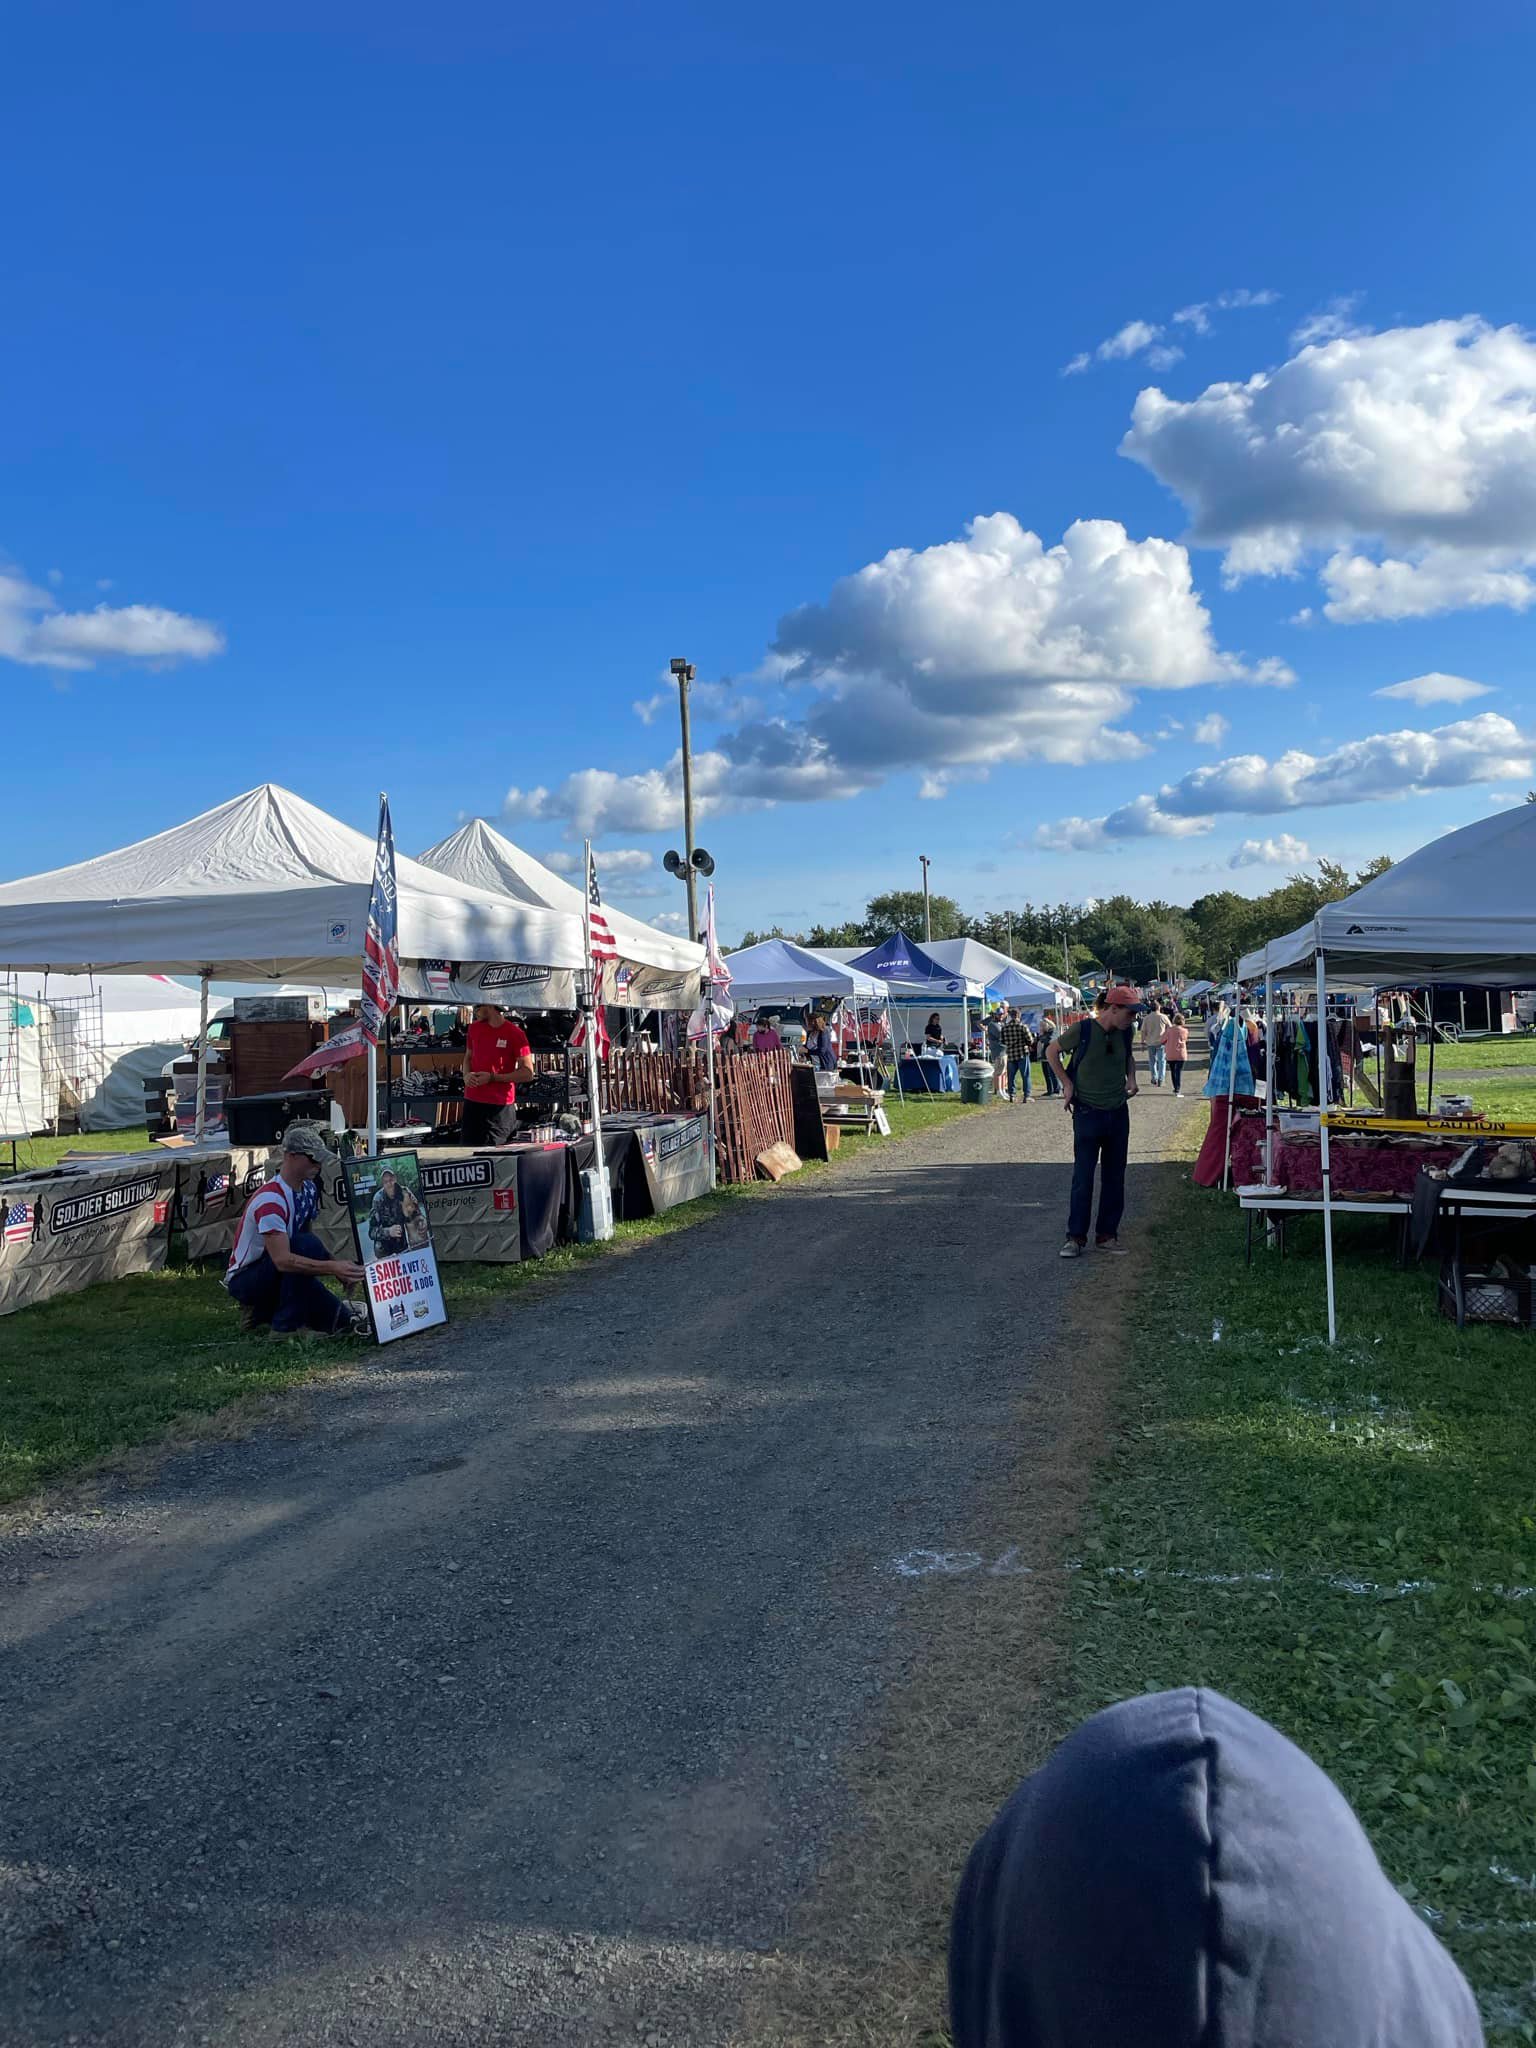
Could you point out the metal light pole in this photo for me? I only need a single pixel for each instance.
(684, 671)
(1009, 915)
(927, 906)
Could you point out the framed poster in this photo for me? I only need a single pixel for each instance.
(394, 1242)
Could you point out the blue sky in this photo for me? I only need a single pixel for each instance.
(390, 398)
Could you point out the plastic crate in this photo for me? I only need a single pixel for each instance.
(1505, 1298)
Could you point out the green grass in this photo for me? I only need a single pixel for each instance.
(32, 1153)
(1256, 1472)
(120, 1364)
(1519, 1051)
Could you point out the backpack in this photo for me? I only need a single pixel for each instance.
(1085, 1039)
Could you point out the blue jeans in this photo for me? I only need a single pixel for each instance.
(1157, 1065)
(1016, 1067)
(288, 1301)
(1052, 1085)
(1101, 1138)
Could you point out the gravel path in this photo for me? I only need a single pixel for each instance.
(507, 1693)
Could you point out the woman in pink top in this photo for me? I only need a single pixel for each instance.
(766, 1037)
(1176, 1050)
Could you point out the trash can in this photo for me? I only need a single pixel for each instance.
(975, 1079)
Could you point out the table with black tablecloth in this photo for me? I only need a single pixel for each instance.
(645, 1174)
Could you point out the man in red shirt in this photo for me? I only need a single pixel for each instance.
(496, 1057)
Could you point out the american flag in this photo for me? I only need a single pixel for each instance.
(218, 1184)
(18, 1222)
(381, 942)
(600, 943)
(601, 954)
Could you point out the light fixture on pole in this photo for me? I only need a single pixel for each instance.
(927, 905)
(684, 672)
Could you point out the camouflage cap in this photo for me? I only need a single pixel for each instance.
(306, 1139)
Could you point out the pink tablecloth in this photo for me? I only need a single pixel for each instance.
(1359, 1165)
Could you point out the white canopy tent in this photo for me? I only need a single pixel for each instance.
(779, 971)
(983, 964)
(658, 971)
(267, 887)
(1462, 909)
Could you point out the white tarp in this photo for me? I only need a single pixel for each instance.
(268, 887)
(24, 1106)
(657, 970)
(1462, 909)
(779, 971)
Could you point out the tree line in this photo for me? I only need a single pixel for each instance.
(1147, 941)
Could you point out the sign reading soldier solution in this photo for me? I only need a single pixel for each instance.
(394, 1242)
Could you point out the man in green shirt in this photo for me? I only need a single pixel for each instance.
(1098, 1078)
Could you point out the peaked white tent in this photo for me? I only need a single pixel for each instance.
(265, 887)
(978, 962)
(658, 970)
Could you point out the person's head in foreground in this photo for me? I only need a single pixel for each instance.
(304, 1154)
(1179, 1875)
(1116, 1006)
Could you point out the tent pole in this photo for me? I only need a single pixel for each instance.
(1269, 1077)
(202, 1055)
(373, 1101)
(1322, 1129)
(709, 1062)
(1239, 1035)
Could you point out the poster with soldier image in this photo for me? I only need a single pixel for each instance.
(394, 1242)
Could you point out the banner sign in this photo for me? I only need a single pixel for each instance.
(216, 1187)
(75, 1225)
(394, 1241)
(676, 1156)
(473, 1198)
(1431, 1126)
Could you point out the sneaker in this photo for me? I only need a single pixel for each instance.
(355, 1322)
(1073, 1248)
(1112, 1245)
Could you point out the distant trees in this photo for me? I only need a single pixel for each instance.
(1139, 940)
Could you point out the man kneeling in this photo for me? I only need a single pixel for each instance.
(276, 1267)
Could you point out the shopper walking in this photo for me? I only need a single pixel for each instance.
(1097, 1083)
(1176, 1052)
(995, 1052)
(1018, 1047)
(1154, 1032)
(1043, 1043)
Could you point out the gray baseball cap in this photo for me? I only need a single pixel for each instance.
(306, 1139)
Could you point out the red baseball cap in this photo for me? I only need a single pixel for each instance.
(1122, 993)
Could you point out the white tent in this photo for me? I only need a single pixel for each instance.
(983, 964)
(779, 971)
(1462, 909)
(658, 970)
(268, 887)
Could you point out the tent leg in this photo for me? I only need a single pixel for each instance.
(373, 1101)
(1239, 1037)
(709, 1063)
(1322, 1124)
(202, 1056)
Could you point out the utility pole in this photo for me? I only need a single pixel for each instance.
(927, 906)
(684, 671)
(1009, 915)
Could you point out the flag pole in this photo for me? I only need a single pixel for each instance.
(594, 1083)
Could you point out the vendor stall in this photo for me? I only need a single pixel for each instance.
(918, 985)
(1459, 910)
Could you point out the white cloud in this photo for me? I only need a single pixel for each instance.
(706, 701)
(1133, 339)
(615, 860)
(1486, 748)
(671, 920)
(947, 659)
(1198, 317)
(36, 634)
(1328, 322)
(1284, 850)
(1435, 688)
(1212, 730)
(1407, 456)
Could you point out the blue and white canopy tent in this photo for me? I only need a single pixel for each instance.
(915, 978)
(1004, 979)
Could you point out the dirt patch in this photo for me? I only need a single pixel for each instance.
(968, 1717)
